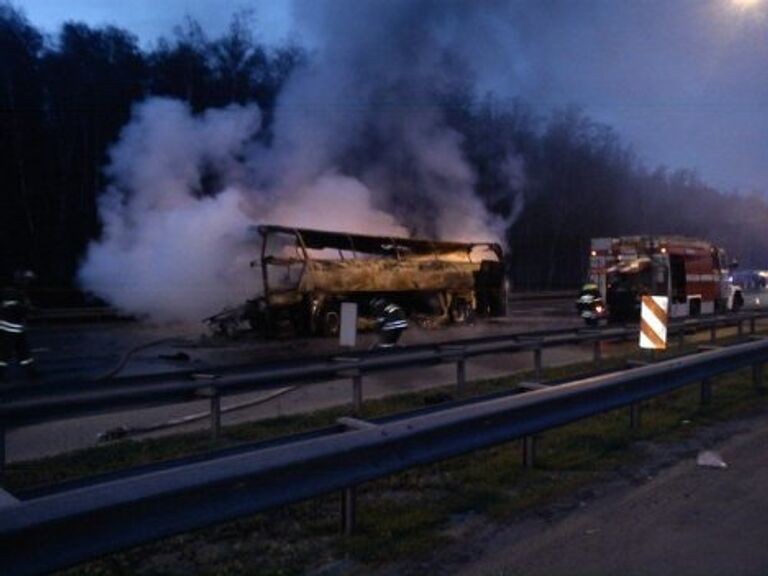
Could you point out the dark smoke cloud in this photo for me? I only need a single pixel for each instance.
(371, 105)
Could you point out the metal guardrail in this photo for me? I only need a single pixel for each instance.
(26, 405)
(63, 527)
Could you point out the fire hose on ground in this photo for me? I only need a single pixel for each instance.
(125, 431)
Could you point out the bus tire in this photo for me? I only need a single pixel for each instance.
(461, 312)
(331, 322)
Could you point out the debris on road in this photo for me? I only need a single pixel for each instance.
(117, 433)
(710, 459)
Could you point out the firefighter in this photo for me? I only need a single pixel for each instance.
(590, 305)
(14, 307)
(391, 322)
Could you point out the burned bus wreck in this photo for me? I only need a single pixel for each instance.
(307, 274)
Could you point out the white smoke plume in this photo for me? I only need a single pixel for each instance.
(361, 144)
(167, 250)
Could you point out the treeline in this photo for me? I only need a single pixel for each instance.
(581, 182)
(563, 179)
(63, 101)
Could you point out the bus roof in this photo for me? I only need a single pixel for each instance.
(319, 239)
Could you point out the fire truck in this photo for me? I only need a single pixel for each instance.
(694, 274)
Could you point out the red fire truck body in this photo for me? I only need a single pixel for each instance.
(692, 273)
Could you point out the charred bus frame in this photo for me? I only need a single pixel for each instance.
(306, 274)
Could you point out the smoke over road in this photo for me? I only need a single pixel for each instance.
(361, 144)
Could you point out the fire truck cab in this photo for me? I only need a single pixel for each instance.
(692, 273)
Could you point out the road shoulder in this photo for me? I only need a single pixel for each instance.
(664, 516)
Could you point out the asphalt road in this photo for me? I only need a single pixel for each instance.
(92, 351)
(659, 519)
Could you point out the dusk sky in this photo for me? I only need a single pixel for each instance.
(685, 82)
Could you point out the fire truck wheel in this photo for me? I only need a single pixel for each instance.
(694, 308)
(738, 302)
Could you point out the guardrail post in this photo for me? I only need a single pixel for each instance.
(461, 373)
(713, 332)
(348, 510)
(212, 394)
(752, 325)
(649, 356)
(681, 336)
(757, 376)
(529, 452)
(706, 391)
(357, 391)
(456, 353)
(537, 362)
(357, 381)
(215, 414)
(597, 351)
(741, 327)
(634, 416)
(2, 453)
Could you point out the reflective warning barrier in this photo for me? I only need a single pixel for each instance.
(653, 322)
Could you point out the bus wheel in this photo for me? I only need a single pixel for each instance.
(461, 312)
(331, 322)
(258, 319)
(314, 314)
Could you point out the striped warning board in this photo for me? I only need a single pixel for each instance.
(653, 322)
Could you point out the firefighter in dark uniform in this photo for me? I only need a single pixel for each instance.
(14, 307)
(391, 322)
(590, 304)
